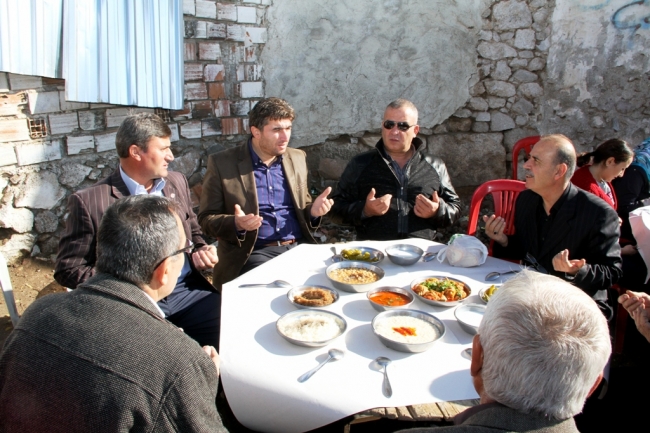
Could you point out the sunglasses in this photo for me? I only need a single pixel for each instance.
(188, 249)
(402, 126)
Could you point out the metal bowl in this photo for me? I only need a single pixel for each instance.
(468, 290)
(436, 323)
(481, 293)
(376, 256)
(354, 288)
(468, 318)
(297, 291)
(298, 315)
(380, 307)
(404, 254)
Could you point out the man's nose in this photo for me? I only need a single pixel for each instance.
(170, 156)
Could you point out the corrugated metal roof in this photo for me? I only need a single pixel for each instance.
(30, 37)
(124, 52)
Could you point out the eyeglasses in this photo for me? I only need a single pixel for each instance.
(531, 262)
(188, 249)
(402, 126)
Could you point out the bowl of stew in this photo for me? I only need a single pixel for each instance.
(389, 298)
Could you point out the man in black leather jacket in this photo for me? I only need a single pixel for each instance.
(396, 190)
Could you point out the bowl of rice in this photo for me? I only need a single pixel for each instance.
(311, 328)
(354, 277)
(410, 331)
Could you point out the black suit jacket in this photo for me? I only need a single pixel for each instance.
(585, 225)
(75, 262)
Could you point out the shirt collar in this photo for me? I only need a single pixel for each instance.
(136, 189)
(153, 301)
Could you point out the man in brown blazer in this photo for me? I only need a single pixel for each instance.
(255, 197)
(143, 145)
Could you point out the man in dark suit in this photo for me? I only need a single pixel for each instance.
(102, 358)
(539, 353)
(255, 197)
(562, 229)
(143, 145)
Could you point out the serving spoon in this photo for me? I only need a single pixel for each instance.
(385, 388)
(334, 355)
(276, 283)
(493, 276)
(429, 256)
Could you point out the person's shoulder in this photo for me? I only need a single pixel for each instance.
(103, 186)
(589, 202)
(296, 153)
(365, 157)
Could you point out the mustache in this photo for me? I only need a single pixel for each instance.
(528, 173)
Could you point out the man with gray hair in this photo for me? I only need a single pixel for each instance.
(102, 358)
(560, 228)
(539, 353)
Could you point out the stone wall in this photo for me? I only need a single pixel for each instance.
(482, 73)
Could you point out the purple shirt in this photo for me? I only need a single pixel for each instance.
(279, 221)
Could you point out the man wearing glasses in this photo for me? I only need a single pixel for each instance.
(143, 145)
(397, 190)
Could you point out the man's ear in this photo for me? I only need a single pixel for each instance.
(161, 274)
(135, 151)
(593, 388)
(255, 131)
(416, 129)
(477, 356)
(561, 171)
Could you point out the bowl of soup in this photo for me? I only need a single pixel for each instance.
(388, 298)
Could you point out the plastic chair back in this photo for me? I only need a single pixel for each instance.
(7, 291)
(525, 144)
(504, 193)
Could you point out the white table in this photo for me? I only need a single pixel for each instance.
(259, 369)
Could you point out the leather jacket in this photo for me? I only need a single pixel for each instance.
(424, 174)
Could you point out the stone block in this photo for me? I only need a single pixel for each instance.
(191, 129)
(511, 14)
(115, 116)
(235, 33)
(73, 174)
(63, 123)
(501, 122)
(184, 114)
(331, 169)
(213, 72)
(522, 106)
(189, 53)
(216, 30)
(46, 222)
(91, 120)
(226, 12)
(14, 130)
(222, 108)
(245, 123)
(537, 64)
(462, 113)
(502, 72)
(33, 153)
(239, 74)
(193, 71)
(174, 128)
(523, 76)
(4, 83)
(189, 8)
(240, 108)
(531, 90)
(12, 104)
(70, 105)
(255, 35)
(246, 14)
(455, 124)
(23, 82)
(195, 91)
(231, 126)
(495, 50)
(7, 155)
(482, 117)
(480, 127)
(44, 102)
(211, 127)
(252, 89)
(216, 91)
(526, 54)
(105, 142)
(77, 144)
(41, 190)
(201, 30)
(17, 246)
(466, 155)
(201, 109)
(187, 163)
(518, 63)
(206, 9)
(209, 50)
(252, 72)
(500, 88)
(250, 54)
(478, 104)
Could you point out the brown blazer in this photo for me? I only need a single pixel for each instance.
(75, 262)
(228, 181)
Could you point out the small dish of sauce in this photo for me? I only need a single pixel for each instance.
(389, 299)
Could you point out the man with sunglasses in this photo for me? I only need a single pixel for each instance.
(144, 148)
(559, 228)
(396, 190)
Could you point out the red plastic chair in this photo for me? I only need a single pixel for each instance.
(525, 144)
(504, 193)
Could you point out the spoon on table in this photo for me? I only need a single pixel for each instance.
(334, 355)
(276, 283)
(429, 256)
(385, 388)
(493, 276)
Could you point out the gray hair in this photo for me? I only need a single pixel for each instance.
(136, 233)
(404, 103)
(138, 129)
(544, 344)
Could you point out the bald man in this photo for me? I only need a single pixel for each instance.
(562, 229)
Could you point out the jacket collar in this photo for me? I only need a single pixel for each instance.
(416, 142)
(498, 416)
(563, 222)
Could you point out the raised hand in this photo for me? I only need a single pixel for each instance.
(376, 206)
(494, 227)
(561, 263)
(205, 257)
(322, 204)
(248, 222)
(425, 208)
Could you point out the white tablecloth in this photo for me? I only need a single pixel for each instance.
(259, 369)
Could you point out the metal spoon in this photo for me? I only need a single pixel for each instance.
(334, 355)
(493, 276)
(276, 283)
(467, 353)
(386, 388)
(429, 256)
